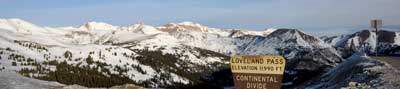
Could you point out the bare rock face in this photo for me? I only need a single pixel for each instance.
(386, 36)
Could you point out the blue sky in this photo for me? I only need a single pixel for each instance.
(310, 15)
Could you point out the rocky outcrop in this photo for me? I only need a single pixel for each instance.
(358, 72)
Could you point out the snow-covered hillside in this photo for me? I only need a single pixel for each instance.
(332, 40)
(139, 54)
(12, 80)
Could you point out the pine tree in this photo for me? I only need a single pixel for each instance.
(14, 63)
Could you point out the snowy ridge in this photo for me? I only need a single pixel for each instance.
(366, 40)
(282, 38)
(20, 26)
(238, 33)
(208, 41)
(191, 26)
(333, 40)
(171, 27)
(142, 28)
(97, 26)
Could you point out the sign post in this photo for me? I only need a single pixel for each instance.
(257, 72)
(376, 23)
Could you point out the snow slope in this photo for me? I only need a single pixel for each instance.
(142, 28)
(97, 26)
(238, 33)
(12, 80)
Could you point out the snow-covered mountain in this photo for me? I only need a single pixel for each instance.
(116, 55)
(238, 33)
(190, 26)
(20, 26)
(97, 26)
(366, 40)
(175, 55)
(294, 45)
(332, 40)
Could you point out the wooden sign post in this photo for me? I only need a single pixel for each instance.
(377, 23)
(257, 72)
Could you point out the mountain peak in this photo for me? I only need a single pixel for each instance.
(97, 26)
(238, 33)
(369, 36)
(143, 28)
(16, 21)
(281, 31)
(183, 26)
(295, 34)
(269, 30)
(285, 30)
(188, 23)
(19, 25)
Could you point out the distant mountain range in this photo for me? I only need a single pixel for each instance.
(174, 55)
(385, 42)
